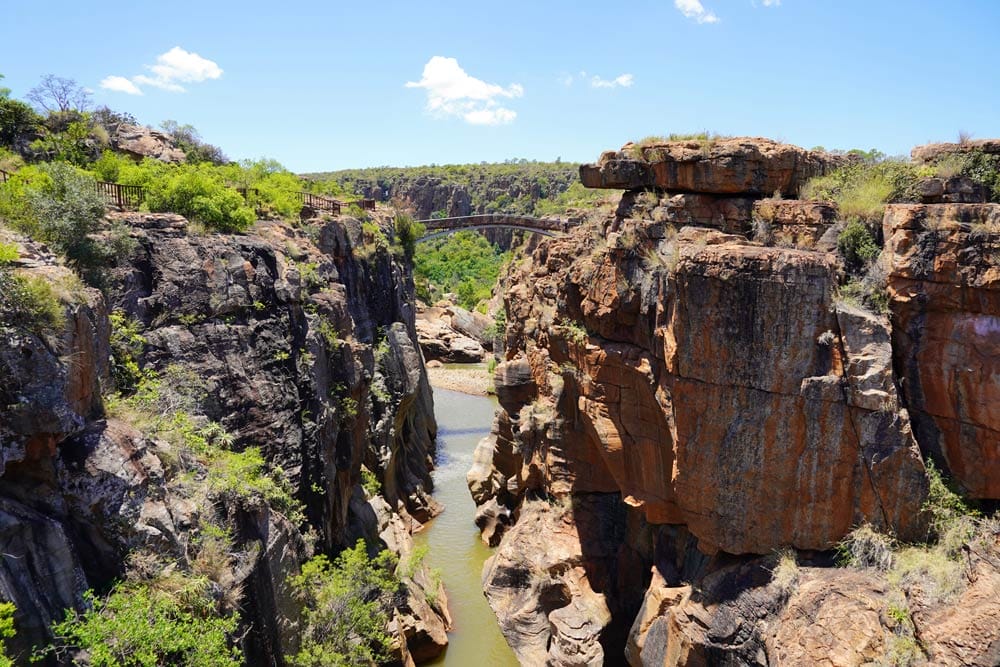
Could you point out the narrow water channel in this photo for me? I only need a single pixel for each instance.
(453, 541)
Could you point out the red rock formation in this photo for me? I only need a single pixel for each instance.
(944, 285)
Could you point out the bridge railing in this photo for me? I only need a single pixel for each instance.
(320, 203)
(122, 196)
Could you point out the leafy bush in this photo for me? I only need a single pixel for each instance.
(29, 302)
(857, 246)
(7, 631)
(19, 124)
(200, 194)
(174, 620)
(345, 604)
(59, 205)
(126, 346)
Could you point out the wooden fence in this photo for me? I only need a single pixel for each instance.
(4, 176)
(122, 196)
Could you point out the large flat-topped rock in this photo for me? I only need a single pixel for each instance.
(933, 152)
(754, 166)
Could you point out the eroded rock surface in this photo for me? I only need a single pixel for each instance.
(944, 284)
(296, 345)
(716, 166)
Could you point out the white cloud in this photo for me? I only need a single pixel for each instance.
(772, 3)
(120, 84)
(693, 9)
(452, 92)
(172, 68)
(623, 80)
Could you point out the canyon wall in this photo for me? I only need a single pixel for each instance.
(679, 402)
(299, 342)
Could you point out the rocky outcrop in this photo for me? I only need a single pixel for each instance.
(451, 334)
(736, 403)
(139, 141)
(685, 381)
(795, 223)
(954, 190)
(730, 166)
(295, 344)
(943, 264)
(751, 612)
(933, 152)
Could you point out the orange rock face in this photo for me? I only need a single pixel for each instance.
(713, 383)
(944, 283)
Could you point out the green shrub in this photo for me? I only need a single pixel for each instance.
(199, 194)
(127, 344)
(866, 548)
(857, 246)
(7, 631)
(59, 205)
(407, 233)
(174, 620)
(370, 483)
(8, 253)
(345, 608)
(862, 189)
(18, 122)
(30, 302)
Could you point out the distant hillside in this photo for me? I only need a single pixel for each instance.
(540, 188)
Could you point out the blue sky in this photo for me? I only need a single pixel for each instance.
(323, 85)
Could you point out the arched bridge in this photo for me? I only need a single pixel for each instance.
(545, 226)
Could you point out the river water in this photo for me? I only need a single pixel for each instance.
(452, 538)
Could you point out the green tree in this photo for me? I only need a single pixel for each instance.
(170, 621)
(345, 603)
(407, 233)
(56, 94)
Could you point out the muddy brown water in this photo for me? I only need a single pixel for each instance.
(453, 540)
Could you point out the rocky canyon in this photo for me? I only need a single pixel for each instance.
(698, 410)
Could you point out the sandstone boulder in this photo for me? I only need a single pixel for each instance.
(955, 190)
(140, 142)
(793, 222)
(715, 166)
(934, 152)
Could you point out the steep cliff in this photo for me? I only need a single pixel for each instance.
(300, 343)
(679, 401)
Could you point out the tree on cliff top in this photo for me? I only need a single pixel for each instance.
(56, 94)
